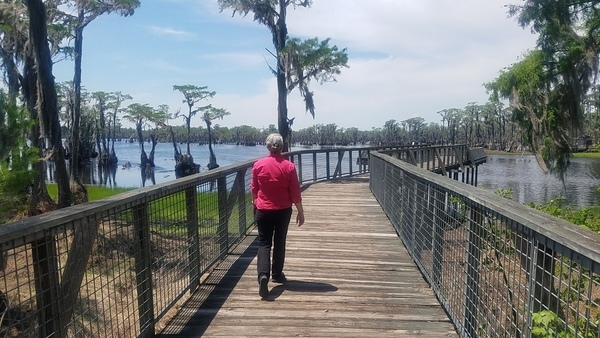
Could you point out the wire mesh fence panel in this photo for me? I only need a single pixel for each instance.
(500, 269)
(116, 267)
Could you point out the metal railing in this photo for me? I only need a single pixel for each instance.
(116, 267)
(326, 164)
(500, 269)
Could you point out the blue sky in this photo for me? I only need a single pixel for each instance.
(407, 58)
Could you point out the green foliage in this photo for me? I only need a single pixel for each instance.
(311, 60)
(544, 324)
(460, 208)
(506, 193)
(14, 125)
(585, 217)
(16, 158)
(547, 324)
(15, 180)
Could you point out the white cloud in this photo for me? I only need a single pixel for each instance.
(172, 33)
(407, 58)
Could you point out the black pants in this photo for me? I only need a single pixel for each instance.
(272, 231)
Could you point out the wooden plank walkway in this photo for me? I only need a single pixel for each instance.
(349, 276)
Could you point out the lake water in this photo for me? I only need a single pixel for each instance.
(521, 173)
(530, 184)
(164, 161)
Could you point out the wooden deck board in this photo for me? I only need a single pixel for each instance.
(349, 276)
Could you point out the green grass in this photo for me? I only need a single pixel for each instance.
(94, 193)
(591, 154)
(169, 210)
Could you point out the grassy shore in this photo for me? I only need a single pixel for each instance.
(587, 154)
(94, 193)
(500, 152)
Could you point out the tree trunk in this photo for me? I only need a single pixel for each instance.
(212, 161)
(279, 37)
(154, 141)
(47, 105)
(113, 155)
(188, 125)
(77, 187)
(40, 200)
(48, 110)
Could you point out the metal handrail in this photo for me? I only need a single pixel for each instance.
(116, 266)
(499, 268)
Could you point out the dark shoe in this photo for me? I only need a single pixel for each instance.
(263, 288)
(279, 278)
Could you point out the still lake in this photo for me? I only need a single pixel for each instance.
(519, 172)
(530, 184)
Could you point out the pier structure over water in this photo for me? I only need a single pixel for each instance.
(400, 244)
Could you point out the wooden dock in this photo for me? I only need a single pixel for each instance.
(349, 276)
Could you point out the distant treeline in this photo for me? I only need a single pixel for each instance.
(475, 126)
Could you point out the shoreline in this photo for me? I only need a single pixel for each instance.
(590, 154)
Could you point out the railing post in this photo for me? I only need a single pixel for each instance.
(438, 235)
(420, 232)
(314, 167)
(223, 231)
(143, 270)
(350, 163)
(239, 194)
(191, 206)
(472, 283)
(441, 162)
(327, 164)
(45, 267)
(338, 167)
(299, 166)
(411, 201)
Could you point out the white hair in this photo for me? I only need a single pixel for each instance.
(274, 143)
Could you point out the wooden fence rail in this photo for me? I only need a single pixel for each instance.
(117, 266)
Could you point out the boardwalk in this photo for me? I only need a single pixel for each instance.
(349, 276)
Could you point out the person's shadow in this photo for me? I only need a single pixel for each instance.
(199, 311)
(299, 286)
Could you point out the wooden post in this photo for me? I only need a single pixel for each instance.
(327, 164)
(243, 226)
(472, 282)
(223, 230)
(338, 167)
(238, 195)
(420, 230)
(413, 219)
(191, 206)
(45, 267)
(350, 163)
(143, 270)
(438, 235)
(299, 168)
(440, 162)
(314, 167)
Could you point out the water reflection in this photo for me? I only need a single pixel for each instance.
(501, 171)
(530, 184)
(130, 174)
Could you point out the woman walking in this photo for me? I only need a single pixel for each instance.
(275, 188)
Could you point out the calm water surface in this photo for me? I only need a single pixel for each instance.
(164, 161)
(521, 173)
(530, 184)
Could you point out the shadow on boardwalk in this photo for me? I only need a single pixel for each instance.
(349, 275)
